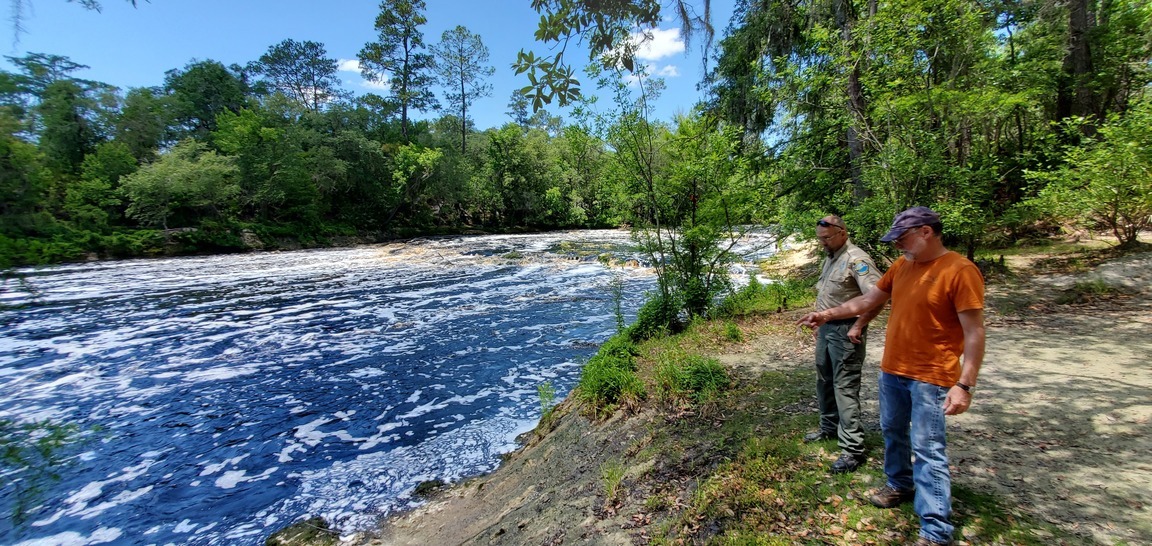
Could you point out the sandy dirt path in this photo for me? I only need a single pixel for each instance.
(1061, 419)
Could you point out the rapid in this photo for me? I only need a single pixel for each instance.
(214, 400)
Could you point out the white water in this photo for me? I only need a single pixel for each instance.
(221, 398)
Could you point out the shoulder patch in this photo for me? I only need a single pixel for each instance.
(861, 267)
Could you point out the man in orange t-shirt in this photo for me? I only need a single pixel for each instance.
(937, 318)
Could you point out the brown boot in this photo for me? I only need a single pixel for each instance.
(890, 497)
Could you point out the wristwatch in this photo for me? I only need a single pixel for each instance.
(967, 388)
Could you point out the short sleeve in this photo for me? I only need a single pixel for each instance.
(969, 289)
(865, 273)
(885, 282)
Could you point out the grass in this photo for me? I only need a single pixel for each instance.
(609, 378)
(1088, 292)
(612, 473)
(758, 483)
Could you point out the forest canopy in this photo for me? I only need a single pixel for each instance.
(1011, 118)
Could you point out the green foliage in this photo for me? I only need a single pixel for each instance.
(1107, 182)
(547, 394)
(693, 377)
(31, 455)
(185, 185)
(1088, 292)
(812, 107)
(732, 332)
(658, 316)
(756, 297)
(200, 92)
(609, 378)
(606, 27)
(612, 473)
(301, 71)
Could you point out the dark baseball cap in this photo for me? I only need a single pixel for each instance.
(913, 217)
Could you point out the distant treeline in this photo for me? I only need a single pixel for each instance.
(1004, 116)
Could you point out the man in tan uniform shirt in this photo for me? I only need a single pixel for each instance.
(848, 272)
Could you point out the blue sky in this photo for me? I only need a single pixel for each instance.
(133, 47)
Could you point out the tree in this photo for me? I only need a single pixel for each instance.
(23, 183)
(66, 131)
(278, 178)
(461, 61)
(144, 122)
(39, 70)
(518, 109)
(607, 27)
(184, 186)
(412, 166)
(684, 199)
(92, 202)
(201, 91)
(302, 71)
(397, 54)
(1108, 181)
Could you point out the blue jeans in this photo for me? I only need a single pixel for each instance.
(912, 418)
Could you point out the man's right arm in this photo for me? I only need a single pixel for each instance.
(868, 303)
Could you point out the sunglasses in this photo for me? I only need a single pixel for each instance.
(906, 233)
(824, 223)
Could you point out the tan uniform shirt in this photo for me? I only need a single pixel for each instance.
(846, 274)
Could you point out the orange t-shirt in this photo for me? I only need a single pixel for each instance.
(925, 338)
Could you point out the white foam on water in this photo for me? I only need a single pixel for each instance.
(222, 373)
(103, 535)
(232, 478)
(214, 333)
(212, 468)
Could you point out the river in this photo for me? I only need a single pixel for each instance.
(216, 399)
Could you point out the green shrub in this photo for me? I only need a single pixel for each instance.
(695, 377)
(1088, 292)
(126, 244)
(547, 395)
(619, 346)
(612, 472)
(756, 297)
(658, 317)
(705, 377)
(732, 332)
(609, 377)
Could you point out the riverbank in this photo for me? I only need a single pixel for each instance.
(1054, 450)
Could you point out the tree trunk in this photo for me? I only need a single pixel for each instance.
(1075, 96)
(845, 17)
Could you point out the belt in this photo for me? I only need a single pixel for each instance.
(838, 322)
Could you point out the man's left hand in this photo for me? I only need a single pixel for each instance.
(957, 401)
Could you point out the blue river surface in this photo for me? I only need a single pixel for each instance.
(217, 399)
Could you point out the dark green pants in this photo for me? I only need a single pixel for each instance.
(838, 367)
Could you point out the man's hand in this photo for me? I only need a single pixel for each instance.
(957, 401)
(854, 333)
(812, 320)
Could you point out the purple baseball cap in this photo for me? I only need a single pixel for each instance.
(913, 217)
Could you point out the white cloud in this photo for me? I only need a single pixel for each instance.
(650, 70)
(658, 43)
(353, 65)
(382, 85)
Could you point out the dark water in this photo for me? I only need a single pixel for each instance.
(218, 399)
